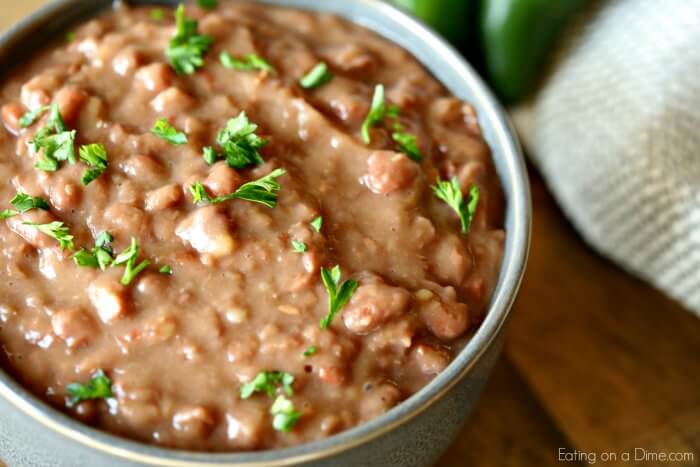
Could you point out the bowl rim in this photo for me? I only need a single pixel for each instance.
(518, 225)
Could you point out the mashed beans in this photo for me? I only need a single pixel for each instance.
(205, 329)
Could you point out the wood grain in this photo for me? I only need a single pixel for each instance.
(595, 360)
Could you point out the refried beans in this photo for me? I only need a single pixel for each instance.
(237, 228)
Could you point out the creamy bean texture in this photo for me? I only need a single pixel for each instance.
(215, 342)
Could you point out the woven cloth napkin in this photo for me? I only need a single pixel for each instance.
(615, 131)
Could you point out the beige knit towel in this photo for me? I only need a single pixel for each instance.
(615, 130)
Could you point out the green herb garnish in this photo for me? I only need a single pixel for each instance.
(22, 203)
(408, 145)
(239, 143)
(99, 387)
(450, 192)
(264, 190)
(248, 62)
(128, 257)
(187, 48)
(318, 76)
(95, 156)
(299, 247)
(32, 116)
(167, 270)
(100, 256)
(268, 382)
(376, 113)
(337, 296)
(284, 415)
(310, 351)
(317, 223)
(157, 14)
(56, 141)
(209, 4)
(70, 36)
(56, 230)
(163, 129)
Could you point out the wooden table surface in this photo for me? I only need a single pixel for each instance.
(595, 361)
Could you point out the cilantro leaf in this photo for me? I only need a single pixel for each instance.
(376, 113)
(246, 63)
(451, 193)
(22, 203)
(310, 351)
(163, 129)
(299, 247)
(264, 190)
(284, 415)
(99, 387)
(209, 4)
(56, 141)
(337, 296)
(408, 145)
(99, 257)
(209, 155)
(56, 230)
(30, 117)
(317, 223)
(239, 142)
(267, 382)
(95, 156)
(157, 14)
(128, 258)
(166, 270)
(187, 48)
(318, 76)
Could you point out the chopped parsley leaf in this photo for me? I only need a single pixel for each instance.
(56, 141)
(337, 296)
(450, 192)
(209, 155)
(268, 382)
(163, 129)
(128, 257)
(70, 36)
(167, 270)
(22, 203)
(284, 415)
(100, 256)
(209, 4)
(30, 117)
(56, 230)
(317, 223)
(248, 62)
(264, 190)
(299, 247)
(310, 351)
(187, 48)
(95, 156)
(317, 77)
(376, 113)
(99, 387)
(408, 145)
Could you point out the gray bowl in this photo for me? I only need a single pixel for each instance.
(416, 432)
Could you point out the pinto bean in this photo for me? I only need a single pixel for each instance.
(108, 297)
(155, 77)
(222, 179)
(164, 197)
(379, 400)
(446, 319)
(70, 100)
(389, 171)
(208, 231)
(430, 359)
(29, 233)
(193, 422)
(11, 113)
(373, 305)
(74, 326)
(172, 101)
